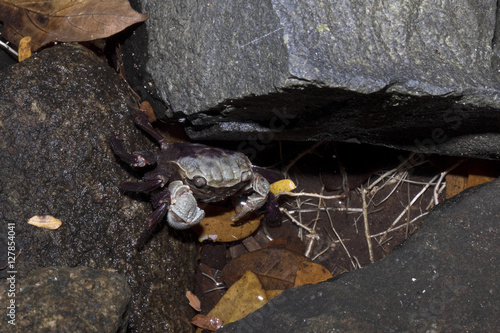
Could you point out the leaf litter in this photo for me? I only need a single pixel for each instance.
(343, 225)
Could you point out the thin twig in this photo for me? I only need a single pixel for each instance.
(283, 210)
(9, 49)
(341, 242)
(411, 203)
(399, 226)
(330, 209)
(443, 174)
(328, 247)
(313, 195)
(405, 174)
(367, 229)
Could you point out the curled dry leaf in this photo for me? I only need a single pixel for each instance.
(46, 222)
(24, 49)
(46, 21)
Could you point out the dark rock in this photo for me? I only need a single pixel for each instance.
(443, 279)
(61, 299)
(422, 76)
(57, 111)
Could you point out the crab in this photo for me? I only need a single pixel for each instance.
(187, 174)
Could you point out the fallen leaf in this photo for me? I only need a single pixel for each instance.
(275, 267)
(206, 322)
(311, 273)
(46, 222)
(218, 226)
(46, 21)
(244, 297)
(273, 293)
(284, 185)
(24, 49)
(471, 173)
(194, 302)
(289, 242)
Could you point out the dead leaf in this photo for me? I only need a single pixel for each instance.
(244, 297)
(273, 293)
(46, 222)
(206, 322)
(218, 226)
(311, 273)
(194, 302)
(46, 21)
(24, 49)
(275, 267)
(289, 242)
(471, 173)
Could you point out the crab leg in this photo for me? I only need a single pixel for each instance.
(273, 216)
(142, 121)
(161, 203)
(136, 159)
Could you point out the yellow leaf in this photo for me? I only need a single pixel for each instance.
(218, 226)
(273, 293)
(46, 222)
(244, 297)
(311, 273)
(24, 49)
(284, 185)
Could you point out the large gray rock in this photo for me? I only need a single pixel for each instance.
(61, 299)
(444, 278)
(57, 111)
(415, 75)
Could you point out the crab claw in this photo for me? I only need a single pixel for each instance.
(260, 189)
(183, 212)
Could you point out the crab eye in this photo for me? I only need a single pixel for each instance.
(246, 176)
(199, 181)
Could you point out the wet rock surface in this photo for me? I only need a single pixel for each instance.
(414, 75)
(442, 279)
(62, 299)
(57, 111)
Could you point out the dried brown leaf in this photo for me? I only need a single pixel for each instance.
(46, 21)
(206, 322)
(311, 273)
(194, 301)
(275, 267)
